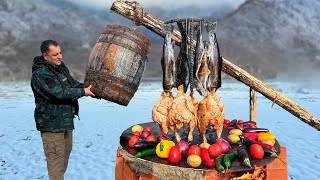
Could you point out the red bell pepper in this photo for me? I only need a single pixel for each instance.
(266, 145)
(251, 135)
(205, 158)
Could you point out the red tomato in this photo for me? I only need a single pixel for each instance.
(252, 125)
(215, 150)
(133, 140)
(137, 133)
(194, 149)
(174, 155)
(240, 121)
(256, 151)
(151, 138)
(226, 121)
(148, 129)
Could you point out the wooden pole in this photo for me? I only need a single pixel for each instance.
(270, 93)
(156, 25)
(149, 21)
(253, 105)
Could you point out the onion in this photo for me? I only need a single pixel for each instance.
(162, 136)
(183, 147)
(144, 134)
(224, 144)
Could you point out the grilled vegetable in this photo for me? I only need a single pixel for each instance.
(205, 158)
(266, 145)
(162, 136)
(244, 156)
(249, 122)
(174, 155)
(133, 140)
(227, 159)
(233, 123)
(219, 161)
(146, 152)
(142, 145)
(125, 137)
(267, 152)
(241, 126)
(237, 132)
(256, 151)
(163, 148)
(137, 127)
(183, 147)
(224, 144)
(266, 136)
(246, 130)
(233, 139)
(194, 160)
(251, 135)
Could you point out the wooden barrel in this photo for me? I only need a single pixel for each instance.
(116, 63)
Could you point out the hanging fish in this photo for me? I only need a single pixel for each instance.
(214, 58)
(204, 71)
(201, 70)
(167, 60)
(182, 63)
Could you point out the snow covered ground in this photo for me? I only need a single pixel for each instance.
(96, 135)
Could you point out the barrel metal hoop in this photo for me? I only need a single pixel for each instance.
(141, 52)
(131, 32)
(141, 42)
(104, 78)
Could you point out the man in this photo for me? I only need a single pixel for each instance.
(56, 95)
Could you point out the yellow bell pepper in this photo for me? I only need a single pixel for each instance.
(264, 136)
(163, 148)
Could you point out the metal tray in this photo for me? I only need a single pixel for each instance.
(211, 136)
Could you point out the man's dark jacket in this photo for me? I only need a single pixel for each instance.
(56, 95)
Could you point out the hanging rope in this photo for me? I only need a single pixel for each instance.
(138, 12)
(191, 59)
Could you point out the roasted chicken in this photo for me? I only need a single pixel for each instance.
(210, 113)
(183, 111)
(160, 111)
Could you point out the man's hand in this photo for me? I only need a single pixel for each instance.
(87, 91)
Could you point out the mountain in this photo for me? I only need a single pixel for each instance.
(25, 24)
(268, 38)
(272, 38)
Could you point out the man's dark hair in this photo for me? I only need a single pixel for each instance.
(45, 45)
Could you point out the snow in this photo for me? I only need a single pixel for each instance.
(96, 135)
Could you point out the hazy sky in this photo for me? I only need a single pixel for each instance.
(162, 3)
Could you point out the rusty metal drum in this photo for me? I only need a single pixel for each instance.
(116, 63)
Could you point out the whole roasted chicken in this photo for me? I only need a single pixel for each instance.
(160, 111)
(183, 111)
(210, 113)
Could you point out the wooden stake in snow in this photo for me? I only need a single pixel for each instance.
(253, 105)
(127, 10)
